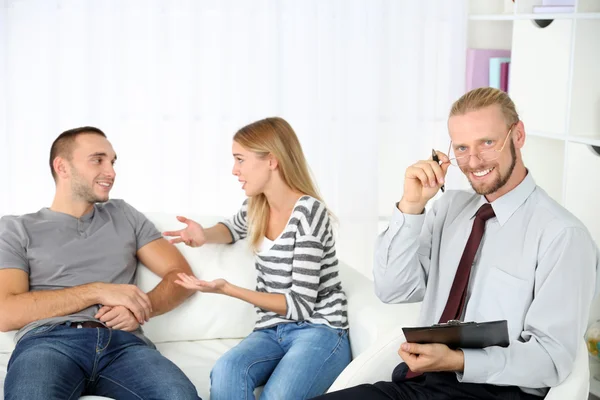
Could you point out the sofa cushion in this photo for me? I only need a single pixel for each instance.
(7, 342)
(204, 315)
(197, 358)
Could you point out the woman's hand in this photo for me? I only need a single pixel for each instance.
(191, 282)
(193, 235)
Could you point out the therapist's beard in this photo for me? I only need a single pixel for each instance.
(500, 180)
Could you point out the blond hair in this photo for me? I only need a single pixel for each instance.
(276, 137)
(484, 97)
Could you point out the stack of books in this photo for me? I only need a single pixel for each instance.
(555, 7)
(488, 67)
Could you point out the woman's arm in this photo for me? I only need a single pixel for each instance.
(269, 301)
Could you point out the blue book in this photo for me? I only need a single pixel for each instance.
(495, 63)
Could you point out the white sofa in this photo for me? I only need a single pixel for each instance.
(198, 332)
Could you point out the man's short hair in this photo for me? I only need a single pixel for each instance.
(63, 144)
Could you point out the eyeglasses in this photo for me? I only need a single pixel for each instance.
(485, 155)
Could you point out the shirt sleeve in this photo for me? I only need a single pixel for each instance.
(238, 224)
(13, 245)
(402, 257)
(555, 322)
(145, 231)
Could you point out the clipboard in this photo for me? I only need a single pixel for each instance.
(456, 334)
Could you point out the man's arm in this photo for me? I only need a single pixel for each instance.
(19, 306)
(403, 251)
(163, 258)
(402, 257)
(555, 322)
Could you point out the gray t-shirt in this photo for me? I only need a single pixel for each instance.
(60, 251)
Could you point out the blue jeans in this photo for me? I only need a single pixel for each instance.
(59, 362)
(294, 361)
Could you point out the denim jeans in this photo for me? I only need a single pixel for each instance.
(294, 361)
(59, 362)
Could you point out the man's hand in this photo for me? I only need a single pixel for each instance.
(218, 286)
(421, 182)
(431, 357)
(130, 296)
(118, 317)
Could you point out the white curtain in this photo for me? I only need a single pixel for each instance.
(366, 84)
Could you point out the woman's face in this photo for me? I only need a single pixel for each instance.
(252, 171)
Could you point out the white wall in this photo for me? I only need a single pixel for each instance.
(366, 85)
(427, 50)
(5, 192)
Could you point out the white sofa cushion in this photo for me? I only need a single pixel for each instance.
(204, 315)
(7, 342)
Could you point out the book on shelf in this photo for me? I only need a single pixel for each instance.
(495, 71)
(478, 66)
(504, 68)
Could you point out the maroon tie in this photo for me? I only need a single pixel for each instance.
(458, 292)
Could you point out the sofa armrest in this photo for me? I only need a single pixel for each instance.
(374, 364)
(378, 361)
(368, 317)
(577, 384)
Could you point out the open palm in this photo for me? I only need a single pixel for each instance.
(193, 235)
(193, 283)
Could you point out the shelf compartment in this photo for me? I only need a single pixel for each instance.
(549, 175)
(486, 7)
(583, 195)
(490, 34)
(585, 92)
(539, 79)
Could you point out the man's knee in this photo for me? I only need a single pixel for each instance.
(41, 372)
(44, 360)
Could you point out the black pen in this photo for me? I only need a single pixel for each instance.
(435, 158)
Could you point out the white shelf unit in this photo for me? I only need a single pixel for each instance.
(554, 80)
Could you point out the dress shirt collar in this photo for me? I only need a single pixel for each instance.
(505, 206)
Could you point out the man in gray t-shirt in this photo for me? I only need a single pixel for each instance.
(72, 266)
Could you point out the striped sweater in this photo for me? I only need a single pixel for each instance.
(302, 265)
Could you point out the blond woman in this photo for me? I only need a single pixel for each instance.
(300, 342)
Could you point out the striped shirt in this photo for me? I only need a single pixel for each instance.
(302, 265)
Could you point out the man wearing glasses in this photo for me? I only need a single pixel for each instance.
(535, 266)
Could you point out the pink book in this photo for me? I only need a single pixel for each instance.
(478, 66)
(504, 76)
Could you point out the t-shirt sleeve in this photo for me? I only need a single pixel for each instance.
(145, 231)
(13, 239)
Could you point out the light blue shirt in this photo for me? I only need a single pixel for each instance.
(536, 268)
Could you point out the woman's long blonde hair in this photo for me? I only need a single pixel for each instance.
(276, 137)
